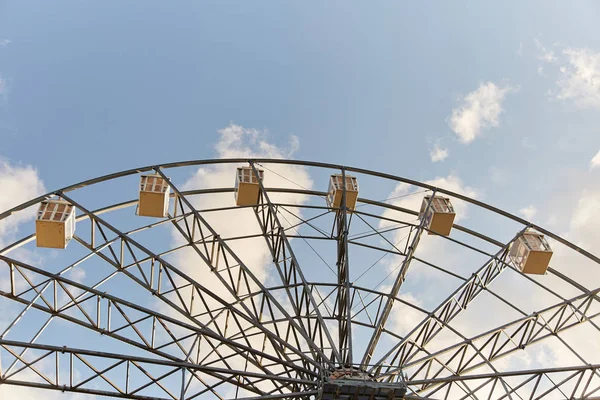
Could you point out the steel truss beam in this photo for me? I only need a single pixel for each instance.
(68, 369)
(290, 272)
(198, 294)
(435, 322)
(366, 304)
(579, 382)
(504, 340)
(344, 301)
(245, 279)
(111, 316)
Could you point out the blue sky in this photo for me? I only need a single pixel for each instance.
(505, 94)
(371, 85)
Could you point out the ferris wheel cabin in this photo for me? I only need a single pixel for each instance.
(531, 253)
(55, 224)
(154, 196)
(336, 191)
(247, 187)
(439, 216)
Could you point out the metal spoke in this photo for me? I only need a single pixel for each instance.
(579, 379)
(290, 272)
(387, 309)
(210, 257)
(344, 301)
(427, 329)
(73, 382)
(510, 337)
(184, 305)
(102, 320)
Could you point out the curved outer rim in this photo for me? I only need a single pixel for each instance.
(306, 164)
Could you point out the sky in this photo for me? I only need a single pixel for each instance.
(109, 81)
(498, 100)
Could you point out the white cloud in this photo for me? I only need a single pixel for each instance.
(580, 79)
(405, 321)
(238, 142)
(479, 110)
(4, 42)
(235, 141)
(547, 55)
(595, 161)
(438, 154)
(19, 184)
(528, 212)
(294, 145)
(77, 274)
(2, 85)
(586, 219)
(540, 71)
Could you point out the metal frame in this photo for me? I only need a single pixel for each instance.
(210, 347)
(344, 301)
(408, 257)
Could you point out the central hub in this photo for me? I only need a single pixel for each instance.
(354, 384)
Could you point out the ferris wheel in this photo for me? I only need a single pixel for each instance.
(290, 281)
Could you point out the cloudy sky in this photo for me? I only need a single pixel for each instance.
(499, 100)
